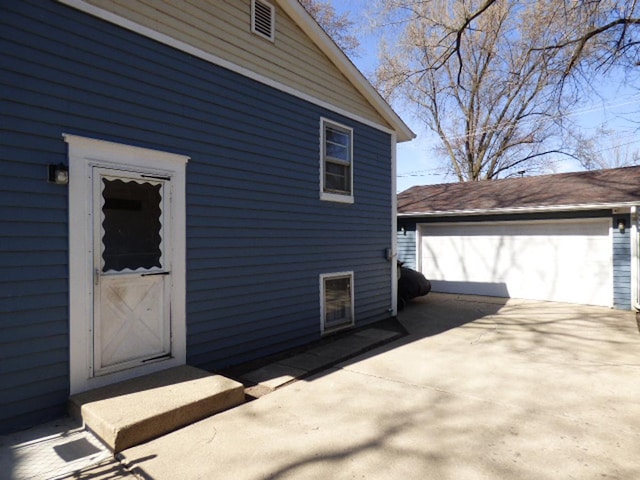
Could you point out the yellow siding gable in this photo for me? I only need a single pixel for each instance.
(223, 28)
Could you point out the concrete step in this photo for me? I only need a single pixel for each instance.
(132, 412)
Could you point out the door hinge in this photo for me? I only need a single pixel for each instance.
(156, 177)
(166, 355)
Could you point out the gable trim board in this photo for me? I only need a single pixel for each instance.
(311, 28)
(296, 11)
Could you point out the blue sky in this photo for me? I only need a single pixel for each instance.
(418, 164)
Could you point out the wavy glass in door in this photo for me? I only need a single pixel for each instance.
(131, 226)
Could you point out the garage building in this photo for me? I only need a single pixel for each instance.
(568, 237)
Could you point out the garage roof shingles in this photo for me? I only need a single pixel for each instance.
(612, 186)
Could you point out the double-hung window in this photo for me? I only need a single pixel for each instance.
(336, 300)
(336, 181)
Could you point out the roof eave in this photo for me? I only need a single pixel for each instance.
(534, 209)
(348, 69)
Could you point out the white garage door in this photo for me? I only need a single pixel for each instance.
(565, 261)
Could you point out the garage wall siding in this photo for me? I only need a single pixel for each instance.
(258, 236)
(407, 244)
(621, 244)
(622, 291)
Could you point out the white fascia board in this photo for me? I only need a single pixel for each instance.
(540, 209)
(299, 15)
(110, 17)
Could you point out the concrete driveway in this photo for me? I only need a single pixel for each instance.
(479, 389)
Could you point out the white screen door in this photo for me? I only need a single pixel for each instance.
(132, 275)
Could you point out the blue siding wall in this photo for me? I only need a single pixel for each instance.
(621, 245)
(257, 234)
(622, 264)
(406, 235)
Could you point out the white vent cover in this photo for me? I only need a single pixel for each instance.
(263, 19)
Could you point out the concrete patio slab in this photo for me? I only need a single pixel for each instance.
(479, 389)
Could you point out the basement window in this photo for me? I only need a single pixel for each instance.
(336, 301)
(263, 19)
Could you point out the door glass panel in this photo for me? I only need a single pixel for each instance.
(131, 225)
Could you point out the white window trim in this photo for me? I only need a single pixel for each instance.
(324, 276)
(85, 153)
(330, 196)
(272, 36)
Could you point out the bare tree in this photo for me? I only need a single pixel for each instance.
(338, 27)
(496, 78)
(601, 34)
(609, 148)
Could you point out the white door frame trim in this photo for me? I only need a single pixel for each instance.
(84, 154)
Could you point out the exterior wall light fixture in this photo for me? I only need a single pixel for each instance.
(59, 174)
(622, 225)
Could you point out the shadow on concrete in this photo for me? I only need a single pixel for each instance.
(526, 390)
(476, 388)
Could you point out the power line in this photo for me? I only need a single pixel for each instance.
(613, 147)
(495, 128)
(418, 174)
(422, 170)
(435, 172)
